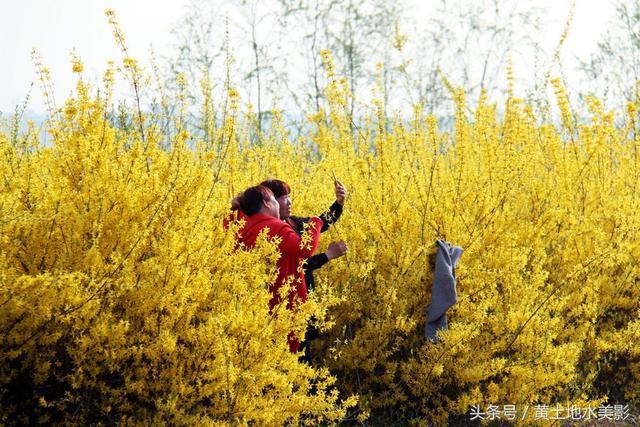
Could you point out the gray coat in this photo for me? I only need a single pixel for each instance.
(443, 289)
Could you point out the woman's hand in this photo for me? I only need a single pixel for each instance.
(341, 193)
(336, 249)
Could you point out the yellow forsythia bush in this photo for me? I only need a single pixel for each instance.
(124, 299)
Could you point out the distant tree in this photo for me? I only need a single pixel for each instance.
(358, 34)
(199, 39)
(613, 71)
(246, 32)
(276, 45)
(468, 42)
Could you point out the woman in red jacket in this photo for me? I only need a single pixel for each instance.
(261, 210)
(282, 192)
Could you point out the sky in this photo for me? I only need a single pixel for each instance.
(57, 27)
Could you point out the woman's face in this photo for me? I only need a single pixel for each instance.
(272, 207)
(285, 206)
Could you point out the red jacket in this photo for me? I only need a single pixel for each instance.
(291, 253)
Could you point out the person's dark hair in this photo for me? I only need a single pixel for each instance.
(251, 199)
(278, 187)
